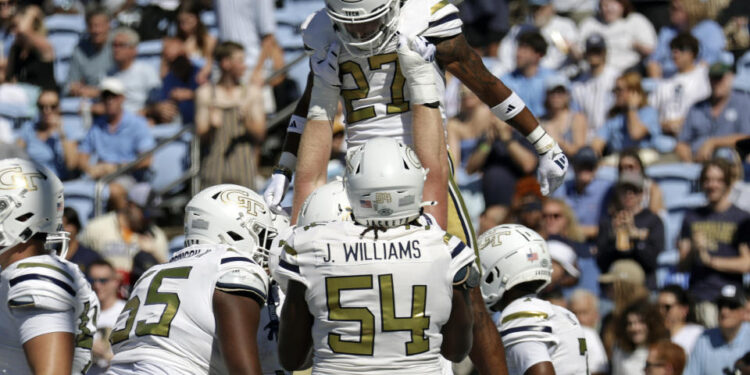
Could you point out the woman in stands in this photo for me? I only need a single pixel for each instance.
(31, 56)
(199, 44)
(639, 327)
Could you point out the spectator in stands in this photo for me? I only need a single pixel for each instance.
(631, 122)
(139, 78)
(566, 126)
(717, 122)
(624, 284)
(115, 139)
(665, 358)
(592, 92)
(711, 245)
(718, 349)
(7, 11)
(77, 253)
(527, 79)
(674, 96)
(630, 231)
(742, 366)
(157, 16)
(199, 44)
(252, 24)
(674, 307)
(708, 33)
(44, 140)
(585, 193)
(230, 121)
(565, 272)
(31, 56)
(175, 100)
(630, 161)
(466, 129)
(119, 236)
(585, 305)
(560, 222)
(92, 57)
(638, 328)
(105, 281)
(504, 156)
(560, 33)
(629, 35)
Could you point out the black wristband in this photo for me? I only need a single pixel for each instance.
(283, 170)
(432, 105)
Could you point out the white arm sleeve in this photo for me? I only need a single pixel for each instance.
(523, 355)
(37, 322)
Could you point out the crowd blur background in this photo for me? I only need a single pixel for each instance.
(136, 104)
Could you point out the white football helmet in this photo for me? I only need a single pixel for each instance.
(364, 26)
(327, 203)
(384, 181)
(31, 202)
(512, 254)
(232, 215)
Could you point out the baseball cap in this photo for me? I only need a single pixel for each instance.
(631, 178)
(722, 66)
(595, 42)
(562, 253)
(112, 85)
(731, 296)
(556, 80)
(585, 159)
(624, 270)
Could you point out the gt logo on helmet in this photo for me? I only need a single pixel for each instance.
(14, 178)
(242, 199)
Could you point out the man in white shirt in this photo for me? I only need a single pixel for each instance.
(138, 78)
(673, 97)
(592, 93)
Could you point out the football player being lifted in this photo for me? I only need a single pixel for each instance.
(353, 46)
(199, 312)
(384, 293)
(540, 338)
(48, 310)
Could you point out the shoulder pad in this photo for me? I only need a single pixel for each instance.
(429, 18)
(317, 31)
(527, 320)
(288, 267)
(43, 284)
(239, 274)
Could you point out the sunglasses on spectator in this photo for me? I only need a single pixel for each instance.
(102, 280)
(551, 215)
(666, 306)
(120, 44)
(43, 106)
(654, 364)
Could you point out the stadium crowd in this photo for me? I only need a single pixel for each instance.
(649, 235)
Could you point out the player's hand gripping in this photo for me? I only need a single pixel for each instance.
(415, 57)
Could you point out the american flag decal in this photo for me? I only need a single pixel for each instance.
(365, 204)
(532, 256)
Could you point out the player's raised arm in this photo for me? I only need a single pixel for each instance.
(461, 60)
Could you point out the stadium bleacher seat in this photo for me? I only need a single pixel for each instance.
(685, 171)
(79, 195)
(171, 161)
(61, 71)
(63, 44)
(65, 23)
(149, 52)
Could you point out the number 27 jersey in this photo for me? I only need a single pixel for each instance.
(378, 304)
(373, 88)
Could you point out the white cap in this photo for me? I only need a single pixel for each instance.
(562, 253)
(112, 85)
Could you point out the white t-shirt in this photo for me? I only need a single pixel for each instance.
(674, 96)
(139, 79)
(629, 363)
(687, 336)
(108, 317)
(620, 37)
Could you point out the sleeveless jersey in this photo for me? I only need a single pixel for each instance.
(373, 89)
(45, 284)
(378, 300)
(168, 323)
(530, 319)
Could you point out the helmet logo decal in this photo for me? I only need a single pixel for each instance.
(492, 240)
(14, 178)
(381, 198)
(242, 199)
(413, 158)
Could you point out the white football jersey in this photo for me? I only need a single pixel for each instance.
(379, 300)
(44, 294)
(530, 319)
(373, 89)
(168, 323)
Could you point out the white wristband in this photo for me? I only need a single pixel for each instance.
(296, 124)
(288, 160)
(509, 108)
(541, 141)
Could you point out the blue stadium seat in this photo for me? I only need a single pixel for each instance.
(170, 162)
(209, 18)
(79, 195)
(63, 44)
(61, 71)
(73, 127)
(14, 113)
(65, 23)
(685, 171)
(150, 48)
(176, 244)
(294, 13)
(288, 37)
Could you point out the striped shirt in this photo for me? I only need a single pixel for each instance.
(592, 95)
(246, 22)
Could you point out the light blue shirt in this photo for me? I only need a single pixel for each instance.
(712, 354)
(48, 153)
(131, 137)
(711, 43)
(615, 130)
(530, 89)
(587, 205)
